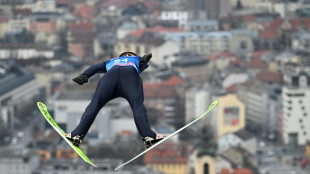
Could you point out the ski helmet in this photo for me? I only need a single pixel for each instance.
(127, 53)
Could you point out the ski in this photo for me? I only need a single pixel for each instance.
(169, 136)
(51, 121)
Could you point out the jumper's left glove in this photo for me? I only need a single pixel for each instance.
(146, 58)
(81, 79)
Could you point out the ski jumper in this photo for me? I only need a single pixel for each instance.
(122, 79)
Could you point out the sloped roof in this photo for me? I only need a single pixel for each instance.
(168, 153)
(173, 81)
(268, 76)
(155, 29)
(24, 12)
(83, 11)
(236, 171)
(256, 63)
(243, 134)
(269, 34)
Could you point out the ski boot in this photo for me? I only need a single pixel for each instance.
(149, 141)
(76, 140)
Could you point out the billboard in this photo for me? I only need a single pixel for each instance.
(231, 116)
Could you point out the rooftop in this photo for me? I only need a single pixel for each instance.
(244, 135)
(76, 95)
(190, 61)
(168, 153)
(13, 76)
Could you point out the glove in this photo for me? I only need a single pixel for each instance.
(146, 58)
(81, 79)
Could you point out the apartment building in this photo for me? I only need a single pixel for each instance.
(296, 114)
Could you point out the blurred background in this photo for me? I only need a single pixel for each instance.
(252, 56)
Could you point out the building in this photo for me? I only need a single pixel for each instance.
(240, 158)
(126, 28)
(4, 25)
(236, 171)
(25, 51)
(307, 149)
(18, 161)
(165, 99)
(207, 43)
(256, 99)
(148, 41)
(20, 21)
(295, 95)
(180, 16)
(204, 164)
(81, 38)
(301, 41)
(201, 25)
(228, 116)
(221, 60)
(240, 138)
(193, 68)
(234, 78)
(18, 92)
(214, 8)
(69, 166)
(44, 22)
(45, 6)
(197, 101)
(168, 158)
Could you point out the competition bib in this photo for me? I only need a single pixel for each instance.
(124, 61)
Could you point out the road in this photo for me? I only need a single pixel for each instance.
(279, 158)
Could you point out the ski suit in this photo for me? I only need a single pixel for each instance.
(121, 79)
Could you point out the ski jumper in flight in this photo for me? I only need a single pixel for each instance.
(121, 79)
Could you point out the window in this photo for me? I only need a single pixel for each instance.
(289, 108)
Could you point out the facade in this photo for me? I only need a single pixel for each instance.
(228, 116)
(203, 164)
(241, 138)
(256, 99)
(168, 158)
(193, 68)
(165, 99)
(25, 51)
(201, 25)
(17, 93)
(4, 25)
(180, 16)
(296, 92)
(197, 100)
(301, 41)
(18, 161)
(43, 22)
(207, 43)
(17, 25)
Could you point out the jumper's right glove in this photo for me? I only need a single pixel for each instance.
(81, 79)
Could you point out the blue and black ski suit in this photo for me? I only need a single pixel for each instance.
(121, 79)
